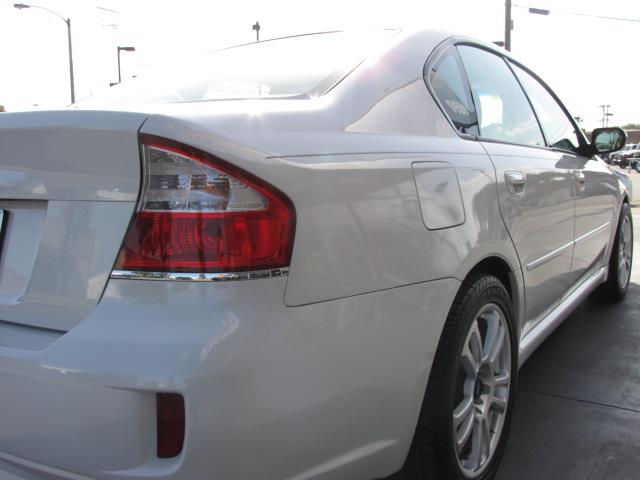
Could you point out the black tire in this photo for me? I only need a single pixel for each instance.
(613, 290)
(432, 454)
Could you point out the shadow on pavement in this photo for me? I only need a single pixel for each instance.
(578, 407)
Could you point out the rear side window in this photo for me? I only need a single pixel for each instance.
(503, 110)
(556, 126)
(450, 85)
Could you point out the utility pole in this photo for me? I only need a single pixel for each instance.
(508, 22)
(256, 27)
(508, 25)
(605, 114)
(608, 115)
(72, 81)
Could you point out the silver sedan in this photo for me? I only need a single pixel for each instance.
(319, 257)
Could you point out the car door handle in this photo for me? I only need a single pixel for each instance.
(515, 182)
(580, 177)
(517, 179)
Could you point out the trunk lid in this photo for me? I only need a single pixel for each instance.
(69, 182)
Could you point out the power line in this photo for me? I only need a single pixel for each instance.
(107, 9)
(620, 19)
(579, 14)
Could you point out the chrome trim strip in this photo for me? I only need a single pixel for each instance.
(592, 232)
(549, 323)
(557, 251)
(200, 277)
(549, 256)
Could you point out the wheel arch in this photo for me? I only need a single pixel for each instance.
(614, 222)
(510, 276)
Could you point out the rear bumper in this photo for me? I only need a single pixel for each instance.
(328, 390)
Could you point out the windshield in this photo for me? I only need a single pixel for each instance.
(287, 67)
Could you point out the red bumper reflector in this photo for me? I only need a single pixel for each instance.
(170, 424)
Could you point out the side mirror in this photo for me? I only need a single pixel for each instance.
(607, 140)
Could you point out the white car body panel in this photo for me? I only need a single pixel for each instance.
(73, 180)
(65, 155)
(233, 343)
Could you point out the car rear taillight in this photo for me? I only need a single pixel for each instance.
(199, 214)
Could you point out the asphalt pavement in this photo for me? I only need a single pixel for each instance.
(577, 410)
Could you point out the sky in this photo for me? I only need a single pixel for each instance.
(587, 61)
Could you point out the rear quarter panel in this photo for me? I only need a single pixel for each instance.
(360, 227)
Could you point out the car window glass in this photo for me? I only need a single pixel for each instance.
(502, 107)
(287, 67)
(556, 126)
(449, 84)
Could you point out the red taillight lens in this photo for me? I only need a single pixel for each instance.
(170, 424)
(199, 214)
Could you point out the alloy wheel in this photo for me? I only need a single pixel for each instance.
(482, 390)
(625, 252)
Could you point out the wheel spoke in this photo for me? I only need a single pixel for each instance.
(498, 402)
(475, 458)
(464, 432)
(486, 437)
(475, 342)
(462, 411)
(469, 363)
(501, 379)
(494, 343)
(623, 272)
(471, 352)
(627, 231)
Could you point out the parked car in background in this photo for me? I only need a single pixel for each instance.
(621, 158)
(634, 158)
(318, 257)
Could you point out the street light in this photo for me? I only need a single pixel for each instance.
(508, 22)
(539, 11)
(256, 27)
(123, 49)
(22, 6)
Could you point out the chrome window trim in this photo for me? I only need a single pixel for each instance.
(199, 277)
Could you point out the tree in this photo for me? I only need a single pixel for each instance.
(632, 126)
